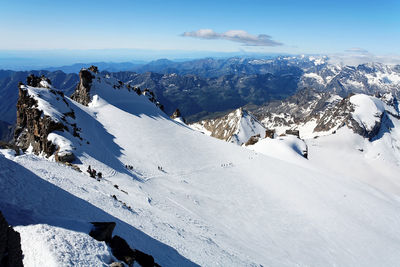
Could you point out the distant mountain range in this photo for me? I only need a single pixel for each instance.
(208, 88)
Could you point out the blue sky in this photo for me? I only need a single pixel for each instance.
(299, 26)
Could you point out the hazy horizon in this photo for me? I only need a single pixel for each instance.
(277, 27)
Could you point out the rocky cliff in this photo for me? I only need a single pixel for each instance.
(314, 113)
(35, 124)
(82, 90)
(10, 245)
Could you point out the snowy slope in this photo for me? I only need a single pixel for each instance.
(213, 204)
(288, 148)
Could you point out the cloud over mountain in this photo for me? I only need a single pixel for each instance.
(239, 36)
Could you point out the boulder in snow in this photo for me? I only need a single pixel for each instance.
(102, 231)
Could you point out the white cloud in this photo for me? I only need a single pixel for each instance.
(356, 56)
(239, 36)
(357, 50)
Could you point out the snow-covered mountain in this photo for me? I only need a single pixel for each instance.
(204, 88)
(188, 199)
(369, 78)
(315, 113)
(236, 127)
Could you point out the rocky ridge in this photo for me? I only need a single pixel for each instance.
(33, 125)
(315, 113)
(44, 112)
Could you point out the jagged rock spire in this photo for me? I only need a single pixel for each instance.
(36, 81)
(82, 90)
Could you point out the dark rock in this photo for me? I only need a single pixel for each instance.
(4, 145)
(64, 157)
(123, 252)
(82, 90)
(269, 133)
(305, 153)
(10, 245)
(252, 140)
(293, 132)
(94, 69)
(102, 231)
(177, 114)
(34, 81)
(143, 259)
(32, 128)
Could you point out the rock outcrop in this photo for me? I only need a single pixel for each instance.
(253, 140)
(269, 133)
(323, 113)
(177, 115)
(102, 231)
(35, 81)
(10, 245)
(122, 251)
(82, 91)
(32, 126)
(35, 123)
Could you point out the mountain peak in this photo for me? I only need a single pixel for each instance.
(236, 127)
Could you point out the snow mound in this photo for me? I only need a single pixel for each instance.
(50, 246)
(236, 127)
(247, 127)
(288, 148)
(367, 110)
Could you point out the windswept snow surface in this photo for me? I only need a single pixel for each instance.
(288, 148)
(367, 111)
(45, 245)
(213, 203)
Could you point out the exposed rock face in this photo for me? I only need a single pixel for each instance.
(35, 81)
(342, 115)
(94, 69)
(323, 112)
(269, 133)
(177, 114)
(122, 251)
(150, 95)
(10, 245)
(32, 126)
(82, 91)
(4, 145)
(252, 140)
(64, 157)
(293, 132)
(102, 231)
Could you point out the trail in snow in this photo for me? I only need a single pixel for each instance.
(263, 210)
